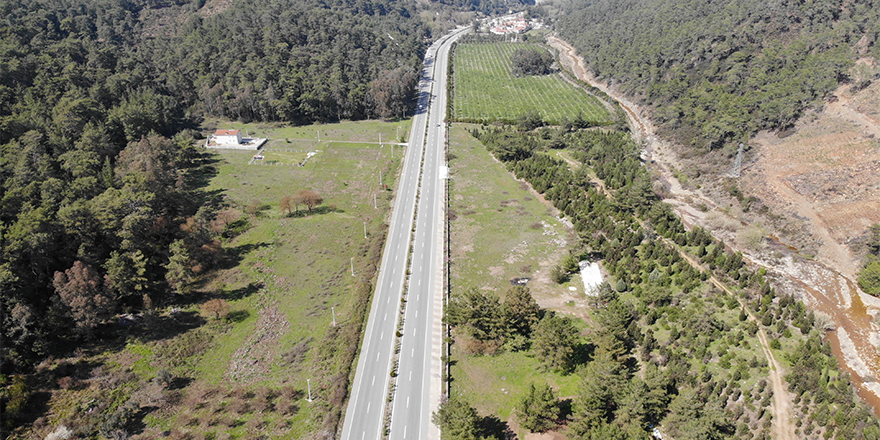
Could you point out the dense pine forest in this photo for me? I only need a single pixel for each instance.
(716, 72)
(101, 207)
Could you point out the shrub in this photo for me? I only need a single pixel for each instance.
(219, 308)
(869, 277)
(530, 62)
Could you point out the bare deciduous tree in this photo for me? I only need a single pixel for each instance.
(309, 198)
(82, 289)
(286, 204)
(224, 218)
(217, 307)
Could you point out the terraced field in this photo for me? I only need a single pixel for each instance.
(485, 90)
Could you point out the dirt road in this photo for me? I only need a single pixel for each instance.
(783, 428)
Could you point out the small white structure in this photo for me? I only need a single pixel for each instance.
(227, 137)
(591, 276)
(232, 139)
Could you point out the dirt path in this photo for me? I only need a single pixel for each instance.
(643, 130)
(783, 428)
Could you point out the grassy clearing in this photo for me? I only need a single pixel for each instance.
(245, 376)
(501, 231)
(485, 91)
(494, 383)
(303, 262)
(308, 136)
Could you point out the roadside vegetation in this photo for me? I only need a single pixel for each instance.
(490, 87)
(683, 336)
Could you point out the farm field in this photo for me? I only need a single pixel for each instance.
(485, 90)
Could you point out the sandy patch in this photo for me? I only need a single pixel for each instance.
(591, 276)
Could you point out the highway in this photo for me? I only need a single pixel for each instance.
(419, 371)
(364, 416)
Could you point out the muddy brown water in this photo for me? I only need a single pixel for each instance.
(853, 318)
(825, 293)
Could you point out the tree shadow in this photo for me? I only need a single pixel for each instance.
(242, 292)
(199, 176)
(179, 383)
(582, 354)
(234, 255)
(213, 198)
(237, 316)
(493, 427)
(63, 374)
(136, 423)
(320, 210)
(156, 327)
(565, 409)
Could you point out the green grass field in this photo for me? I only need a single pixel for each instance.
(291, 271)
(485, 91)
(501, 231)
(309, 136)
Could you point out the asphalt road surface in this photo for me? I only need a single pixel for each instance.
(420, 348)
(364, 417)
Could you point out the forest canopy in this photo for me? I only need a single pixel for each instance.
(715, 72)
(101, 209)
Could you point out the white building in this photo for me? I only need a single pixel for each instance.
(227, 137)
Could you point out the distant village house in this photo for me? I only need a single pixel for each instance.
(227, 137)
(512, 24)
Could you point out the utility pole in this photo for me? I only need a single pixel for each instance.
(333, 311)
(309, 383)
(737, 165)
(365, 229)
(380, 179)
(319, 135)
(375, 206)
(352, 266)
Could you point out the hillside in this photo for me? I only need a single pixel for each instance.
(806, 198)
(716, 72)
(83, 83)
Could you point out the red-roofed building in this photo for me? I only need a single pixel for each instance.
(227, 137)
